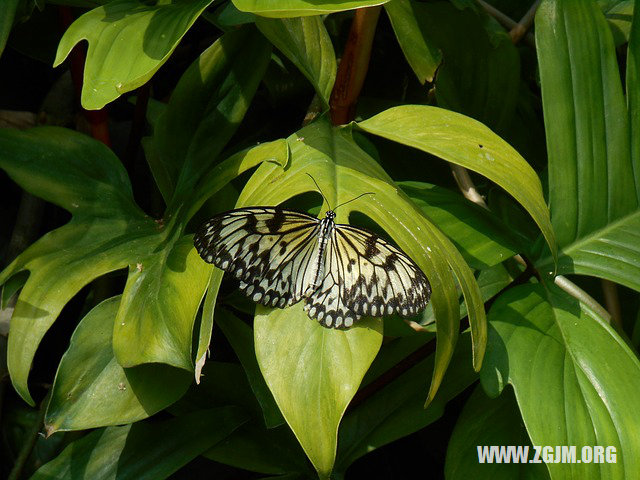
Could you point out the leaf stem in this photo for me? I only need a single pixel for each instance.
(508, 22)
(612, 301)
(353, 66)
(575, 291)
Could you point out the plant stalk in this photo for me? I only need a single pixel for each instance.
(353, 66)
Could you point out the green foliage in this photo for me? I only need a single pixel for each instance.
(169, 364)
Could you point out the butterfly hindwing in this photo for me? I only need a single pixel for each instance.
(269, 249)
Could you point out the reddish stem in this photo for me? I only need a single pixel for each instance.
(98, 119)
(353, 65)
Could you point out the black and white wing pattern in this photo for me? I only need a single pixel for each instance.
(343, 272)
(271, 251)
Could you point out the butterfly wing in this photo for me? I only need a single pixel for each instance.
(377, 278)
(327, 303)
(366, 275)
(272, 251)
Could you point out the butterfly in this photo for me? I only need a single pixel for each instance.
(342, 272)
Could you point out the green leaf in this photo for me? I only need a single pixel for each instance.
(633, 98)
(143, 450)
(476, 232)
(240, 336)
(588, 141)
(398, 410)
(591, 179)
(128, 42)
(306, 43)
(313, 372)
(619, 15)
(489, 97)
(545, 341)
(205, 110)
(485, 422)
(159, 305)
(106, 229)
(92, 390)
(466, 142)
(612, 252)
(418, 48)
(8, 10)
(301, 8)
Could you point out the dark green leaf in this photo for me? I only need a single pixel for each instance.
(149, 450)
(306, 43)
(485, 422)
(550, 349)
(418, 48)
(92, 390)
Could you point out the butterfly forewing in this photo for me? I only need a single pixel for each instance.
(270, 250)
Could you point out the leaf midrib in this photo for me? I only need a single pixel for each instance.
(593, 236)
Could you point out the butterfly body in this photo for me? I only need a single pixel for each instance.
(342, 272)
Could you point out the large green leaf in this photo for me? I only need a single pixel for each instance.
(205, 110)
(589, 143)
(466, 142)
(576, 381)
(483, 423)
(306, 43)
(128, 42)
(107, 232)
(143, 450)
(418, 48)
(313, 372)
(106, 229)
(591, 179)
(300, 8)
(633, 97)
(158, 308)
(92, 390)
(611, 252)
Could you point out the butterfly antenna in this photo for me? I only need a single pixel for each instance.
(349, 201)
(320, 190)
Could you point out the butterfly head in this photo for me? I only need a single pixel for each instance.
(330, 214)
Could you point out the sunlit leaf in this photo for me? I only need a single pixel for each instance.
(211, 96)
(84, 177)
(591, 178)
(128, 42)
(300, 8)
(466, 142)
(398, 410)
(313, 372)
